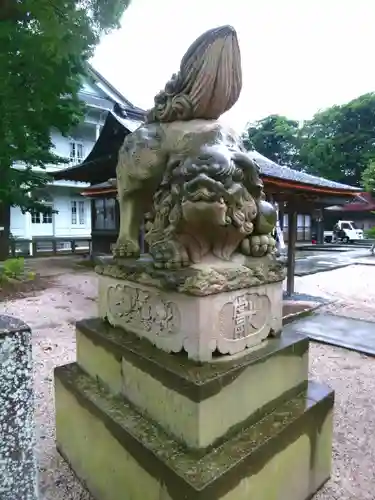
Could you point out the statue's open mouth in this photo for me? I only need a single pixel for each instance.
(204, 188)
(204, 200)
(203, 195)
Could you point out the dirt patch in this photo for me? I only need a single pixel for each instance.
(89, 264)
(12, 290)
(56, 266)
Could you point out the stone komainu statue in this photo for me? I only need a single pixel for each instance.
(188, 174)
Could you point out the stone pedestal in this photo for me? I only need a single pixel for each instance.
(212, 307)
(146, 423)
(18, 475)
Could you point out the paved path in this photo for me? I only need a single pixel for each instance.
(327, 261)
(356, 335)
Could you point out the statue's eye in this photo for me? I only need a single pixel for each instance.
(204, 158)
(237, 175)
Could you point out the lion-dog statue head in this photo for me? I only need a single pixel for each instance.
(207, 201)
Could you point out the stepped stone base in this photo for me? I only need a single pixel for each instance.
(120, 454)
(137, 423)
(195, 403)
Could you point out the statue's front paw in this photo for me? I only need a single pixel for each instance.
(126, 249)
(169, 255)
(258, 246)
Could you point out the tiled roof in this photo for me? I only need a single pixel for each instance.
(363, 202)
(269, 168)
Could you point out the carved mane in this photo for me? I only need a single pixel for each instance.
(209, 81)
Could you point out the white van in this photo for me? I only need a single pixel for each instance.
(344, 231)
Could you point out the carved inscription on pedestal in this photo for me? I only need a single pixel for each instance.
(142, 310)
(245, 316)
(243, 311)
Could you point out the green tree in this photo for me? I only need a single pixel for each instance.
(339, 142)
(44, 49)
(275, 137)
(368, 177)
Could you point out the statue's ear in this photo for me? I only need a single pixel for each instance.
(173, 162)
(250, 168)
(244, 161)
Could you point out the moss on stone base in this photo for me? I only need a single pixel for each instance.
(198, 279)
(194, 380)
(120, 454)
(171, 385)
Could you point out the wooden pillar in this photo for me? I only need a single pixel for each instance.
(93, 224)
(281, 215)
(292, 238)
(320, 231)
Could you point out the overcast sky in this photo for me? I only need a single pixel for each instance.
(298, 56)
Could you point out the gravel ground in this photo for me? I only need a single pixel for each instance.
(52, 315)
(53, 312)
(351, 288)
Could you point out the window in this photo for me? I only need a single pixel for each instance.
(47, 216)
(35, 217)
(78, 212)
(74, 212)
(42, 218)
(76, 152)
(105, 213)
(303, 227)
(81, 212)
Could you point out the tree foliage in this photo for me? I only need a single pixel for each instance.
(339, 143)
(368, 177)
(44, 49)
(275, 137)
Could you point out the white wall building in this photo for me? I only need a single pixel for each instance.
(73, 217)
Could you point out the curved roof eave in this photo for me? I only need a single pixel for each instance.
(107, 135)
(105, 148)
(271, 169)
